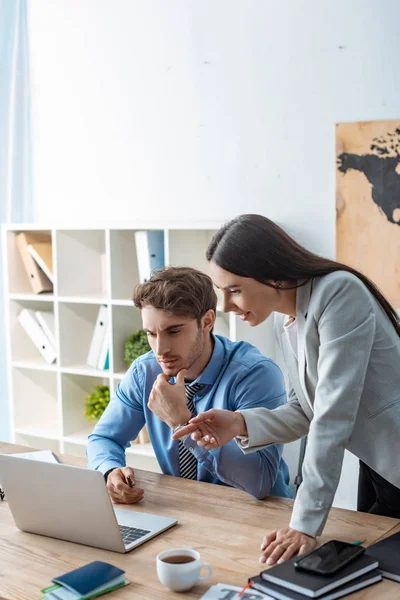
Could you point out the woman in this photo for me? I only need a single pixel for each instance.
(340, 340)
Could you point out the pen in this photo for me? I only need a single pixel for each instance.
(358, 542)
(129, 480)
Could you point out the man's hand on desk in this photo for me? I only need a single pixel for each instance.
(168, 400)
(121, 489)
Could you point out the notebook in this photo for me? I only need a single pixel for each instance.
(313, 585)
(278, 592)
(91, 580)
(387, 552)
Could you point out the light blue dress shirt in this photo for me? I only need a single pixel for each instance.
(237, 376)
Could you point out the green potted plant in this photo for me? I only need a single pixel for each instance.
(96, 402)
(135, 346)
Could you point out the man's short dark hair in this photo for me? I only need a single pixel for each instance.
(180, 291)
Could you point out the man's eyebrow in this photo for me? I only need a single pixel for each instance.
(229, 287)
(177, 326)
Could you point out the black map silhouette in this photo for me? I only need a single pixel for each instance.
(380, 172)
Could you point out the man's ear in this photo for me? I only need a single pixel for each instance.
(208, 320)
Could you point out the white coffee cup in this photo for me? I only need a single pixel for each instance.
(181, 576)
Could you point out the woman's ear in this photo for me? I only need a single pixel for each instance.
(208, 320)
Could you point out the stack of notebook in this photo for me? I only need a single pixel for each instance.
(387, 552)
(285, 582)
(90, 581)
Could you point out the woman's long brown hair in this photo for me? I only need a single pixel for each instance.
(254, 246)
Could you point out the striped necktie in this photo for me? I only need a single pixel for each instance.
(187, 461)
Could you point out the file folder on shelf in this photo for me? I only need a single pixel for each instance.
(28, 321)
(37, 278)
(149, 252)
(104, 356)
(42, 253)
(45, 318)
(99, 335)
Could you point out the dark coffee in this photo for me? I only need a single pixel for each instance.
(178, 559)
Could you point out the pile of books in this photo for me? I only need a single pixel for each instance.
(285, 582)
(37, 257)
(90, 581)
(39, 326)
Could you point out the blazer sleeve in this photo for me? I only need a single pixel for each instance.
(346, 327)
(279, 426)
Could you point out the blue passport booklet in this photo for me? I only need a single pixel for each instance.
(89, 581)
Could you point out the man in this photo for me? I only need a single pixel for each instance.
(178, 307)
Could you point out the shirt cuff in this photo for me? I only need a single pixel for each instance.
(256, 434)
(242, 441)
(203, 456)
(198, 451)
(108, 465)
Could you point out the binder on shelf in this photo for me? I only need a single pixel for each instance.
(149, 252)
(103, 361)
(37, 278)
(99, 335)
(45, 318)
(42, 253)
(28, 321)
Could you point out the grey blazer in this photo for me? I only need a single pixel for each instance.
(344, 392)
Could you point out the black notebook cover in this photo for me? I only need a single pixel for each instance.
(313, 585)
(387, 552)
(281, 593)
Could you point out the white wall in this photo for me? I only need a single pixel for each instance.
(204, 109)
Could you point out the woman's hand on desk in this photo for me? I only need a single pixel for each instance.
(282, 544)
(121, 486)
(213, 428)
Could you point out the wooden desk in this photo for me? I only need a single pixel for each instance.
(225, 525)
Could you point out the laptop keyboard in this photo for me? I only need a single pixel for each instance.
(131, 534)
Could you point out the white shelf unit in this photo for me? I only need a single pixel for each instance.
(92, 266)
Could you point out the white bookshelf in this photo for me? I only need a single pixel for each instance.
(92, 266)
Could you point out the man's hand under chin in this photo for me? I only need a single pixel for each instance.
(168, 400)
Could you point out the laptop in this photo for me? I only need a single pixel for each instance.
(72, 503)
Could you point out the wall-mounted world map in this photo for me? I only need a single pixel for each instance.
(368, 201)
